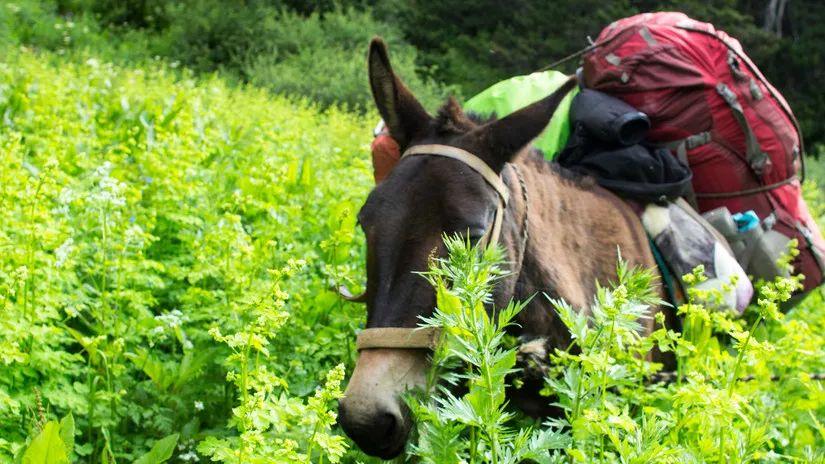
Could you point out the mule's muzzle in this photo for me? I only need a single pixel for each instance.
(372, 411)
(382, 433)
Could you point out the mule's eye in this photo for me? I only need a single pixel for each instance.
(474, 234)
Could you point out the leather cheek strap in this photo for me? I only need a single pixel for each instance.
(426, 338)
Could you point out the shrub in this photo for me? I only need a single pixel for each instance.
(143, 210)
(38, 24)
(743, 391)
(317, 56)
(324, 58)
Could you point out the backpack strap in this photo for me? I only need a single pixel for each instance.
(673, 288)
(809, 240)
(757, 158)
(681, 147)
(691, 25)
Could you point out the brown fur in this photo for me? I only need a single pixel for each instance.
(574, 234)
(576, 230)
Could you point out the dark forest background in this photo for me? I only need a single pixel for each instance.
(313, 48)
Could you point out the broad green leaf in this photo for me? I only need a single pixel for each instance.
(161, 451)
(89, 344)
(306, 172)
(67, 432)
(47, 447)
(190, 366)
(152, 368)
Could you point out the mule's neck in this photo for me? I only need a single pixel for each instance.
(575, 229)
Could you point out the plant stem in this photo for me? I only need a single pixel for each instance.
(732, 382)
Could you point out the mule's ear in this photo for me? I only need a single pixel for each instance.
(401, 111)
(505, 137)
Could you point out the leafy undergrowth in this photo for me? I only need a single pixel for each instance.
(743, 391)
(166, 253)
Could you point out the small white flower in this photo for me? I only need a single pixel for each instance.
(66, 196)
(172, 319)
(134, 236)
(198, 405)
(63, 251)
(189, 456)
(109, 190)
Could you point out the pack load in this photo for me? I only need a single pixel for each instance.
(609, 143)
(712, 107)
(497, 101)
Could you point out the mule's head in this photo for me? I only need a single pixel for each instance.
(404, 220)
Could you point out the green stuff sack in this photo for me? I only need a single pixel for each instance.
(517, 92)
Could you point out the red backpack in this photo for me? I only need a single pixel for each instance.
(710, 104)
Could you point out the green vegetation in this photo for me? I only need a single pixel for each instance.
(167, 250)
(270, 45)
(172, 227)
(722, 406)
(309, 47)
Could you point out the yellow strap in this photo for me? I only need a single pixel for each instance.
(424, 338)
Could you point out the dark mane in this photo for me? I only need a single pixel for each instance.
(451, 119)
(479, 119)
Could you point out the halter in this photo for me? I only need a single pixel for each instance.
(427, 337)
(478, 165)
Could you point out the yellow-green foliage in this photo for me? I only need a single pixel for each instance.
(166, 250)
(743, 391)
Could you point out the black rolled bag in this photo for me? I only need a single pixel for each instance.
(607, 144)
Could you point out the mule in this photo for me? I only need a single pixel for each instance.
(560, 233)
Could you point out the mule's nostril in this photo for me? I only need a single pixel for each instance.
(387, 425)
(379, 433)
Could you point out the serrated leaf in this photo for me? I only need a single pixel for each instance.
(67, 432)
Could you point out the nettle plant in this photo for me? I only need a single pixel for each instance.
(742, 392)
(476, 426)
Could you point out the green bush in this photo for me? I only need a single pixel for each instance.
(317, 56)
(743, 391)
(324, 59)
(150, 222)
(38, 24)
